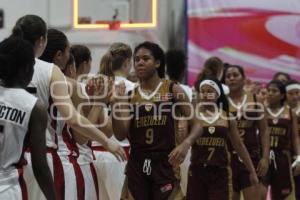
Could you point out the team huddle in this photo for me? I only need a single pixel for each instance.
(241, 137)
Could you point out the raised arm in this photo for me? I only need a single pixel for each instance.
(93, 109)
(120, 112)
(37, 135)
(76, 121)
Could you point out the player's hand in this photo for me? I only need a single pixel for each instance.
(114, 148)
(296, 166)
(118, 91)
(296, 170)
(100, 88)
(262, 167)
(253, 178)
(177, 156)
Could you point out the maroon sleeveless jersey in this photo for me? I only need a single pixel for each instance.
(280, 130)
(152, 128)
(211, 147)
(246, 123)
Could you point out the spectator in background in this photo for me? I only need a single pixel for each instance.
(282, 77)
(213, 68)
(176, 67)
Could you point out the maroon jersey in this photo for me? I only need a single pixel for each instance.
(152, 127)
(280, 130)
(246, 123)
(211, 147)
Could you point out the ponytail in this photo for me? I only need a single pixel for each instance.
(17, 31)
(30, 28)
(114, 59)
(106, 64)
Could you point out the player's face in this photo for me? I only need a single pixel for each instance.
(71, 70)
(292, 97)
(234, 79)
(208, 94)
(65, 55)
(42, 43)
(263, 93)
(282, 78)
(274, 95)
(144, 63)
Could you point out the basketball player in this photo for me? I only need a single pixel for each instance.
(153, 156)
(284, 135)
(57, 52)
(22, 119)
(292, 96)
(251, 119)
(115, 63)
(48, 83)
(210, 175)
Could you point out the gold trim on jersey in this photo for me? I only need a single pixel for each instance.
(162, 95)
(285, 114)
(249, 99)
(219, 122)
(245, 107)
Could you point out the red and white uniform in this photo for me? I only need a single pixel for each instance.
(40, 85)
(110, 171)
(14, 121)
(85, 162)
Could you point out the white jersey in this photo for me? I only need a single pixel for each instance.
(188, 91)
(66, 143)
(14, 121)
(226, 89)
(41, 83)
(67, 146)
(129, 87)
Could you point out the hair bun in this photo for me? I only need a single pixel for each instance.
(18, 31)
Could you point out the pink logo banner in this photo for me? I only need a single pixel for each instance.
(263, 36)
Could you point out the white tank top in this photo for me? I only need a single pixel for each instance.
(14, 121)
(41, 83)
(129, 87)
(67, 145)
(188, 91)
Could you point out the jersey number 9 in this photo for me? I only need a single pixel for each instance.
(149, 136)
